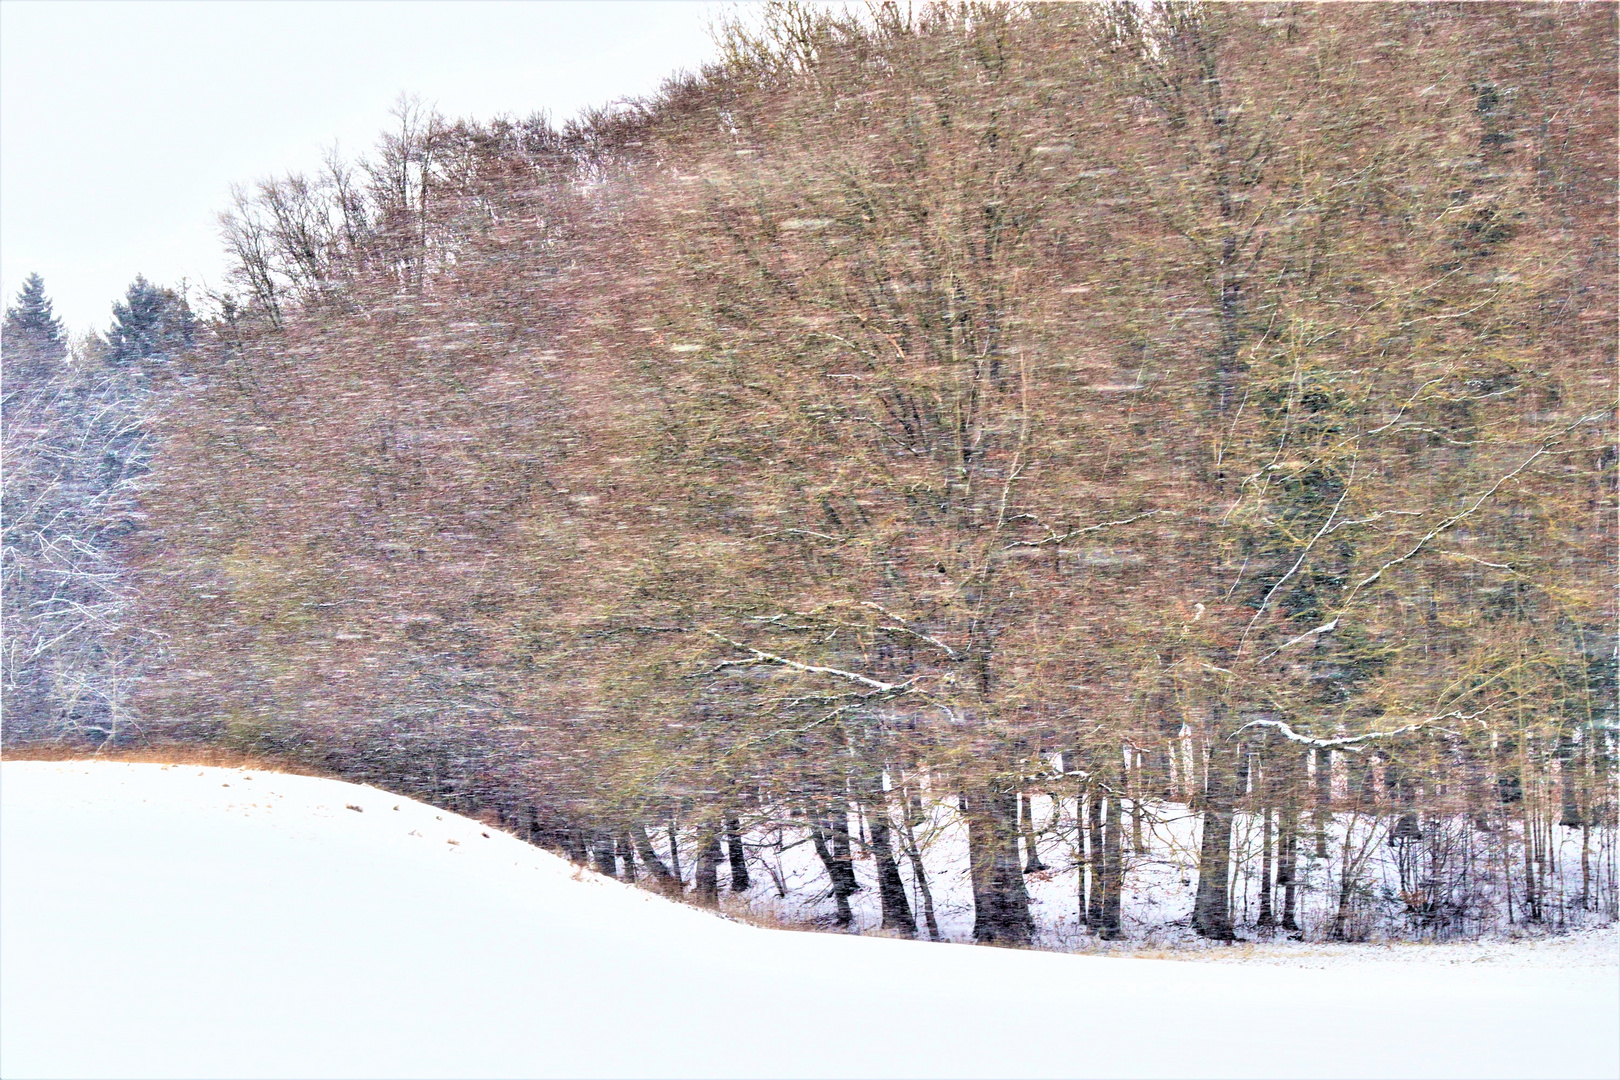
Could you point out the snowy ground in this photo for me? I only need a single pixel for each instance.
(178, 921)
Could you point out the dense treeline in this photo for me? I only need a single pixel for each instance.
(1160, 411)
(77, 451)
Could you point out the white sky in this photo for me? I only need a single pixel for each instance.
(123, 125)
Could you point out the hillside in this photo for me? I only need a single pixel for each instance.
(184, 921)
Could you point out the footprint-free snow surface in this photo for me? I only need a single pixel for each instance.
(182, 921)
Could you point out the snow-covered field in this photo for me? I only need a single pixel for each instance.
(181, 921)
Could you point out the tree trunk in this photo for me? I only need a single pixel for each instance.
(739, 858)
(891, 889)
(602, 852)
(675, 859)
(1532, 890)
(1259, 788)
(1476, 782)
(1323, 810)
(1341, 917)
(649, 856)
(832, 845)
(1292, 772)
(1212, 915)
(1112, 870)
(1000, 904)
(627, 857)
(1588, 813)
(1587, 900)
(924, 894)
(1032, 854)
(843, 854)
(1287, 867)
(1138, 789)
(1094, 861)
(1570, 818)
(1266, 919)
(1166, 774)
(707, 884)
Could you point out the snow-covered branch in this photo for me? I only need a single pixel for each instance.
(1306, 550)
(902, 628)
(759, 656)
(1325, 628)
(1543, 449)
(1058, 538)
(1350, 742)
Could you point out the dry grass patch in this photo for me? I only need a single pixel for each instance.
(167, 754)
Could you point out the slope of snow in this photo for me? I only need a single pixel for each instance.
(181, 921)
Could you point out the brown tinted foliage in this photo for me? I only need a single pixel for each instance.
(931, 394)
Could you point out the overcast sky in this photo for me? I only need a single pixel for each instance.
(123, 125)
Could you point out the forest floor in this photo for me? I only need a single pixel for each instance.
(197, 920)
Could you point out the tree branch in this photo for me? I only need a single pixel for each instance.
(1453, 519)
(1349, 742)
(1056, 538)
(759, 656)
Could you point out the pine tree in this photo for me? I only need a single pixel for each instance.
(150, 328)
(32, 340)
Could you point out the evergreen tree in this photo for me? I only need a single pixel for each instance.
(32, 340)
(150, 328)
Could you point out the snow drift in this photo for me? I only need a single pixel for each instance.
(182, 921)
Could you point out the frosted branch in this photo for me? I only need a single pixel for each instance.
(1350, 742)
(759, 656)
(1058, 538)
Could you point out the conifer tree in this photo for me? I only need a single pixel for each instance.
(150, 328)
(32, 340)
